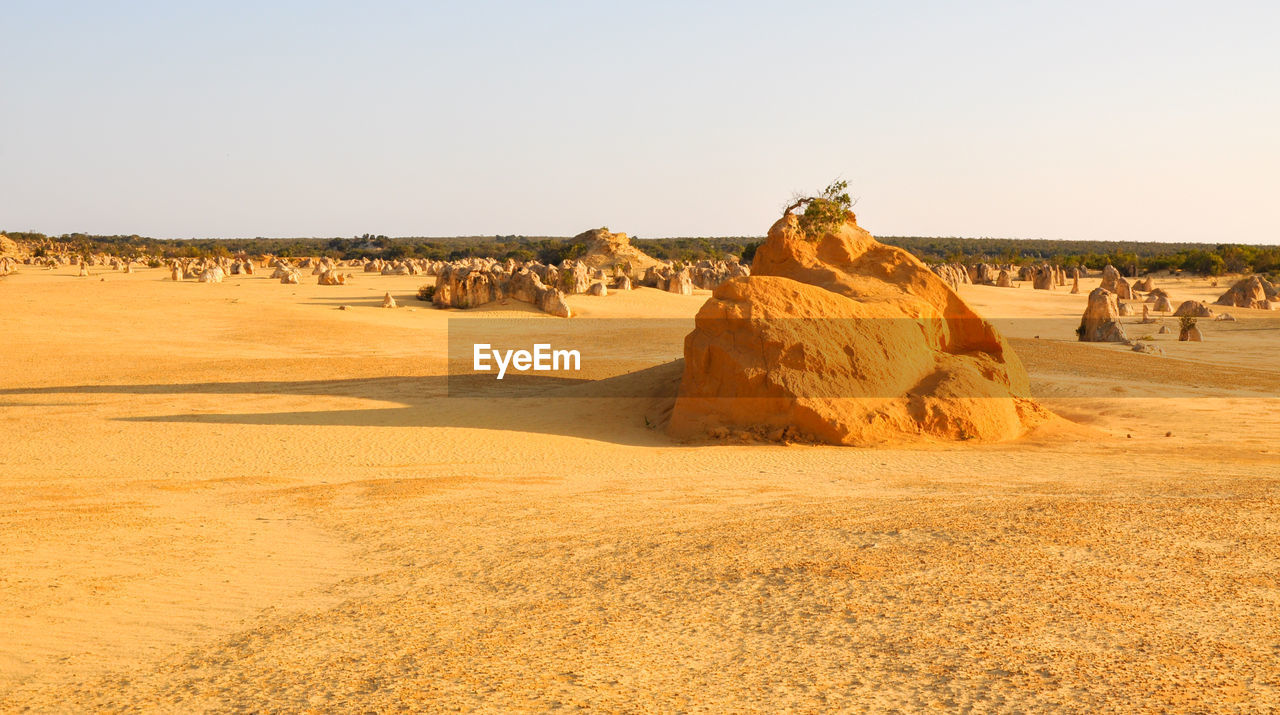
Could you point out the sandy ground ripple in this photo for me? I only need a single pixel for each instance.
(236, 497)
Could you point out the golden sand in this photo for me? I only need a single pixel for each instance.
(237, 497)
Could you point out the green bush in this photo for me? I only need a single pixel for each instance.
(824, 212)
(426, 293)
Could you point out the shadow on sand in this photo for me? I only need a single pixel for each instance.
(521, 403)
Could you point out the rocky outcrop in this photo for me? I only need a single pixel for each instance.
(1193, 309)
(331, 277)
(840, 339)
(680, 283)
(1044, 278)
(9, 248)
(954, 274)
(609, 251)
(1101, 320)
(1109, 277)
(470, 284)
(1252, 292)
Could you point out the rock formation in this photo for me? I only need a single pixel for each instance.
(1109, 277)
(388, 301)
(1252, 292)
(8, 247)
(1101, 320)
(840, 339)
(1193, 309)
(680, 283)
(331, 277)
(475, 282)
(607, 250)
(953, 273)
(1043, 278)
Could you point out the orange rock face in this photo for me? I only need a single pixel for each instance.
(1251, 292)
(843, 340)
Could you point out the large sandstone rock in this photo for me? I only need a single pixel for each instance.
(1109, 277)
(1194, 309)
(1122, 289)
(8, 247)
(553, 302)
(461, 286)
(1101, 320)
(1248, 292)
(1044, 278)
(331, 277)
(526, 287)
(843, 340)
(472, 284)
(607, 251)
(680, 283)
(955, 274)
(575, 278)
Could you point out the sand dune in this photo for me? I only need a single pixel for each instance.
(237, 497)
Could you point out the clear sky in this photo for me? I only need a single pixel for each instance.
(1075, 120)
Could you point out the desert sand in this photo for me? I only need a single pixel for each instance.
(235, 496)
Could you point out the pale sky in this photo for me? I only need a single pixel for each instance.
(1070, 120)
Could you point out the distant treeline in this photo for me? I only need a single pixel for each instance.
(1131, 257)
